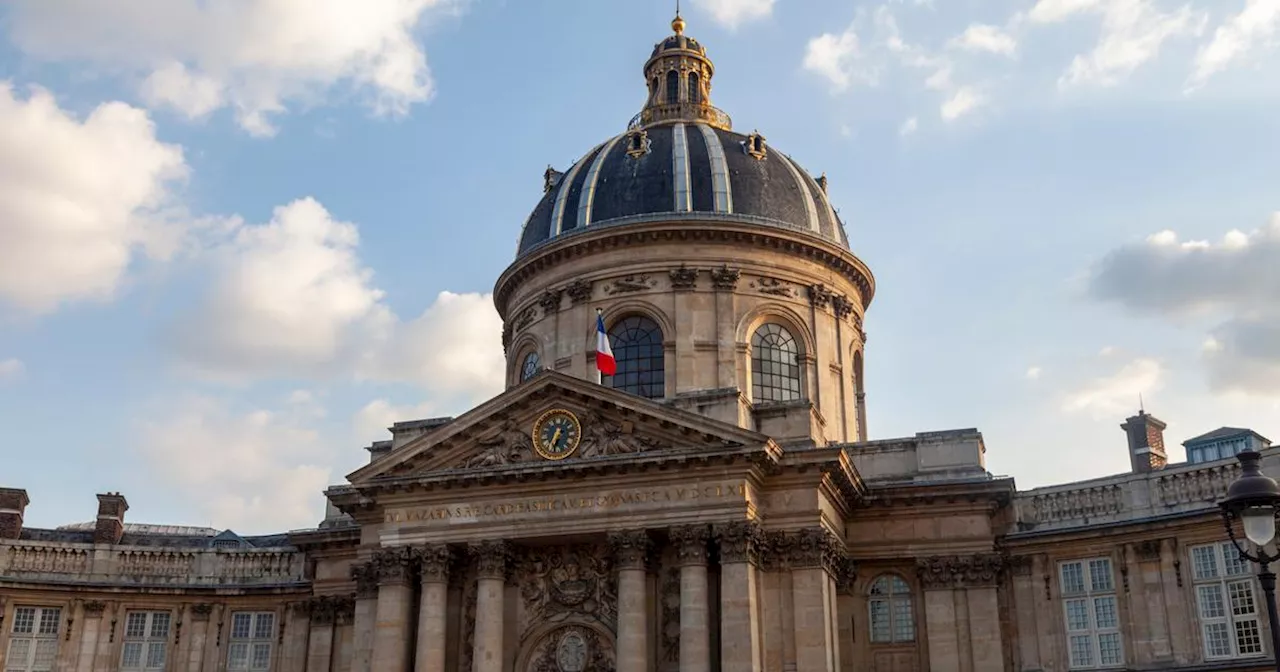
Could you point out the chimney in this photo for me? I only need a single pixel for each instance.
(109, 527)
(13, 503)
(1146, 442)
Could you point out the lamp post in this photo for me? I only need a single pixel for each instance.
(1254, 499)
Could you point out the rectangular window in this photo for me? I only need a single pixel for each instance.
(146, 641)
(1226, 602)
(252, 636)
(1091, 614)
(33, 642)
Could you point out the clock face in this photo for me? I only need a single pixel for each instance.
(556, 434)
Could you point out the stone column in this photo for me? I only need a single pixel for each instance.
(695, 642)
(962, 612)
(325, 612)
(631, 551)
(491, 581)
(391, 638)
(365, 613)
(434, 561)
(740, 544)
(815, 557)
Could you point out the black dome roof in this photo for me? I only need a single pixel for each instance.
(682, 171)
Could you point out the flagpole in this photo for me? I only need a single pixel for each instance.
(599, 377)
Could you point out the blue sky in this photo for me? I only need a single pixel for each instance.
(238, 239)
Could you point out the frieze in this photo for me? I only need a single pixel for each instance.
(820, 296)
(94, 608)
(579, 291)
(683, 278)
(739, 541)
(366, 578)
(691, 544)
(772, 287)
(630, 284)
(631, 548)
(960, 571)
(550, 301)
(492, 558)
(434, 561)
(725, 278)
(572, 581)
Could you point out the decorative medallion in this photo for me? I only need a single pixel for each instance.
(556, 434)
(571, 654)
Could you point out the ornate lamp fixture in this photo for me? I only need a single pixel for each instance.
(1254, 499)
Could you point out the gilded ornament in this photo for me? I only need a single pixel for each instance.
(557, 434)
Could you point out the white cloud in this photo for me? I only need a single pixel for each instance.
(966, 99)
(909, 127)
(835, 57)
(985, 38)
(11, 369)
(1111, 395)
(291, 298)
(81, 200)
(255, 56)
(1235, 38)
(1133, 32)
(1033, 373)
(258, 471)
(731, 13)
(1236, 281)
(374, 419)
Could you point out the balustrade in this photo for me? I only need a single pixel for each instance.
(72, 562)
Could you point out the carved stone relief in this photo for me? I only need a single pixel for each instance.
(629, 284)
(820, 296)
(579, 291)
(960, 571)
(393, 565)
(684, 278)
(366, 578)
(328, 609)
(739, 541)
(604, 437)
(772, 287)
(550, 301)
(510, 444)
(630, 548)
(563, 583)
(725, 278)
(434, 561)
(525, 318)
(690, 542)
(572, 648)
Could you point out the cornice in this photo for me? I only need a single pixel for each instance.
(325, 539)
(994, 494)
(699, 227)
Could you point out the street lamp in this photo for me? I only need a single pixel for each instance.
(1254, 499)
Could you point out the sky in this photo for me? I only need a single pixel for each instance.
(240, 238)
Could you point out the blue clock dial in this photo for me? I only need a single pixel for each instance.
(557, 434)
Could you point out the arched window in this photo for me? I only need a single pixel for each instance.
(655, 96)
(892, 620)
(673, 86)
(695, 92)
(531, 366)
(775, 365)
(637, 347)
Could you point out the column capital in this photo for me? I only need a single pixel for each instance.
(434, 562)
(739, 541)
(393, 565)
(366, 578)
(326, 609)
(94, 608)
(808, 548)
(492, 558)
(630, 548)
(691, 544)
(201, 611)
(960, 571)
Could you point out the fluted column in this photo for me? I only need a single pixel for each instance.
(364, 616)
(491, 579)
(695, 642)
(631, 550)
(434, 561)
(739, 612)
(391, 639)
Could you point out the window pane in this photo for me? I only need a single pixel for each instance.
(238, 656)
(904, 626)
(265, 626)
(160, 625)
(135, 625)
(261, 656)
(49, 619)
(1205, 562)
(1081, 651)
(1100, 575)
(637, 347)
(1077, 614)
(132, 658)
(19, 651)
(1109, 652)
(1104, 609)
(1217, 640)
(46, 652)
(775, 368)
(1210, 598)
(240, 625)
(880, 621)
(24, 620)
(156, 655)
(1232, 563)
(1248, 638)
(1241, 593)
(1072, 578)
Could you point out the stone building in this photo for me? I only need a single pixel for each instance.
(714, 505)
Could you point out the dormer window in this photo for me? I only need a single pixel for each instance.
(754, 145)
(638, 143)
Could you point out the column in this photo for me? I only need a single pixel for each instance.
(740, 544)
(325, 611)
(962, 612)
(491, 579)
(815, 557)
(434, 561)
(366, 578)
(391, 638)
(695, 644)
(631, 551)
(89, 635)
(297, 636)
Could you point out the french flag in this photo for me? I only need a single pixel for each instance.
(605, 363)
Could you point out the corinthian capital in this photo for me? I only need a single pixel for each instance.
(630, 548)
(366, 577)
(691, 544)
(393, 565)
(739, 541)
(960, 571)
(492, 558)
(434, 561)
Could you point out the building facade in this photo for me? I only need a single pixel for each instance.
(715, 504)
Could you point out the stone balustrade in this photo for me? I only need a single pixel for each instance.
(1177, 489)
(62, 562)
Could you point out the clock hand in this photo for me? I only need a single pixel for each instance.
(555, 438)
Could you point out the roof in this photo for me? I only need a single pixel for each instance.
(682, 170)
(1225, 433)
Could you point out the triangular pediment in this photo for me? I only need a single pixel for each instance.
(498, 434)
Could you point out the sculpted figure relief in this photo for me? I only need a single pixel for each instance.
(509, 444)
(604, 437)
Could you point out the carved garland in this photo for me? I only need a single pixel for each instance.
(960, 571)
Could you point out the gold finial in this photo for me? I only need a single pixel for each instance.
(677, 24)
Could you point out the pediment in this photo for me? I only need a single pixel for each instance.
(498, 434)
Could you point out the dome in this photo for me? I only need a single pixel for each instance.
(680, 160)
(682, 171)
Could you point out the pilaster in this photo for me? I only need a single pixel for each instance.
(740, 544)
(962, 612)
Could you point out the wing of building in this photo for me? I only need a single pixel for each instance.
(715, 504)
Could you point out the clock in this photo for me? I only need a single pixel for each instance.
(556, 434)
